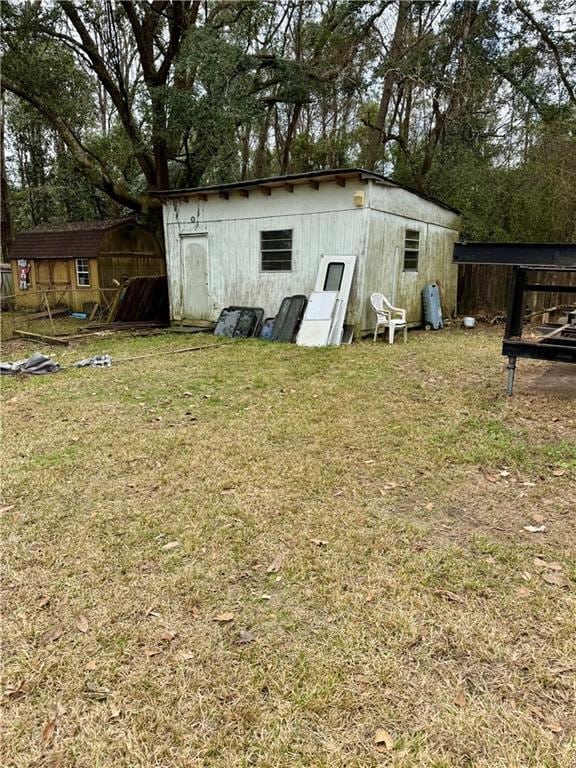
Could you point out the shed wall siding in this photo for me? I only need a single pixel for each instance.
(323, 221)
(384, 271)
(63, 292)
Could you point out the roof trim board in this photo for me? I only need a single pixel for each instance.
(311, 178)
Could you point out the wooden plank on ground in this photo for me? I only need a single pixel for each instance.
(41, 337)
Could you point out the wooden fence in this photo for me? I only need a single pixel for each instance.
(483, 290)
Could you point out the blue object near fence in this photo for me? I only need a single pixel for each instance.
(432, 307)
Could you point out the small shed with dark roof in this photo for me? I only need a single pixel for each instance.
(76, 264)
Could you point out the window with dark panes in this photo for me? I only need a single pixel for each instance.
(276, 250)
(411, 250)
(334, 275)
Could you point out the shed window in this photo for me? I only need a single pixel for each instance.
(411, 250)
(82, 272)
(276, 250)
(334, 275)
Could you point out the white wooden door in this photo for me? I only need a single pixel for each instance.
(195, 291)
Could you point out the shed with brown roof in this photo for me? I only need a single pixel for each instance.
(76, 264)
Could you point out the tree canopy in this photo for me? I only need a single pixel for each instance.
(474, 101)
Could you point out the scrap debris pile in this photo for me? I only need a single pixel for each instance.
(39, 364)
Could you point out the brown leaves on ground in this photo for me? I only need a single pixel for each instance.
(383, 741)
(460, 699)
(48, 731)
(224, 618)
(82, 623)
(15, 690)
(448, 595)
(539, 562)
(51, 635)
(556, 579)
(276, 564)
(169, 546)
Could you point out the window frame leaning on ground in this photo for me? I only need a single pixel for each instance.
(411, 254)
(280, 261)
(80, 271)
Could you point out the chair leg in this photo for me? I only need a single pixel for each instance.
(375, 333)
(391, 330)
(405, 334)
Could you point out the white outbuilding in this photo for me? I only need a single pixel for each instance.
(251, 243)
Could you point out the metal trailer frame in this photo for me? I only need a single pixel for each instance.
(560, 343)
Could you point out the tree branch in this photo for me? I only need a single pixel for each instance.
(545, 35)
(94, 170)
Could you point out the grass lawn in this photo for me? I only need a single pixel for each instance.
(261, 555)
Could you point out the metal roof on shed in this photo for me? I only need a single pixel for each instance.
(300, 178)
(77, 240)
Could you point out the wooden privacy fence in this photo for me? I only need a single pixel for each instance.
(483, 290)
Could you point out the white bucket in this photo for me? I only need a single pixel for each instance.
(468, 322)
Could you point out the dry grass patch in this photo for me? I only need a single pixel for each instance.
(388, 488)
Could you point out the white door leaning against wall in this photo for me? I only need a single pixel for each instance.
(194, 260)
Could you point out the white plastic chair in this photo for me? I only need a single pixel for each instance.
(388, 316)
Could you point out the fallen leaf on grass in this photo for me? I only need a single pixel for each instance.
(115, 714)
(167, 637)
(537, 517)
(558, 472)
(96, 692)
(225, 617)
(51, 635)
(82, 623)
(276, 564)
(383, 741)
(561, 670)
(448, 595)
(43, 601)
(245, 637)
(430, 506)
(48, 731)
(535, 528)
(319, 542)
(152, 612)
(539, 562)
(15, 690)
(6, 509)
(554, 726)
(170, 546)
(523, 592)
(556, 579)
(90, 665)
(460, 699)
(504, 473)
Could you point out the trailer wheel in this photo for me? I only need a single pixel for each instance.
(427, 327)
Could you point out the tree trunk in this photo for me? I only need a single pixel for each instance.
(394, 57)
